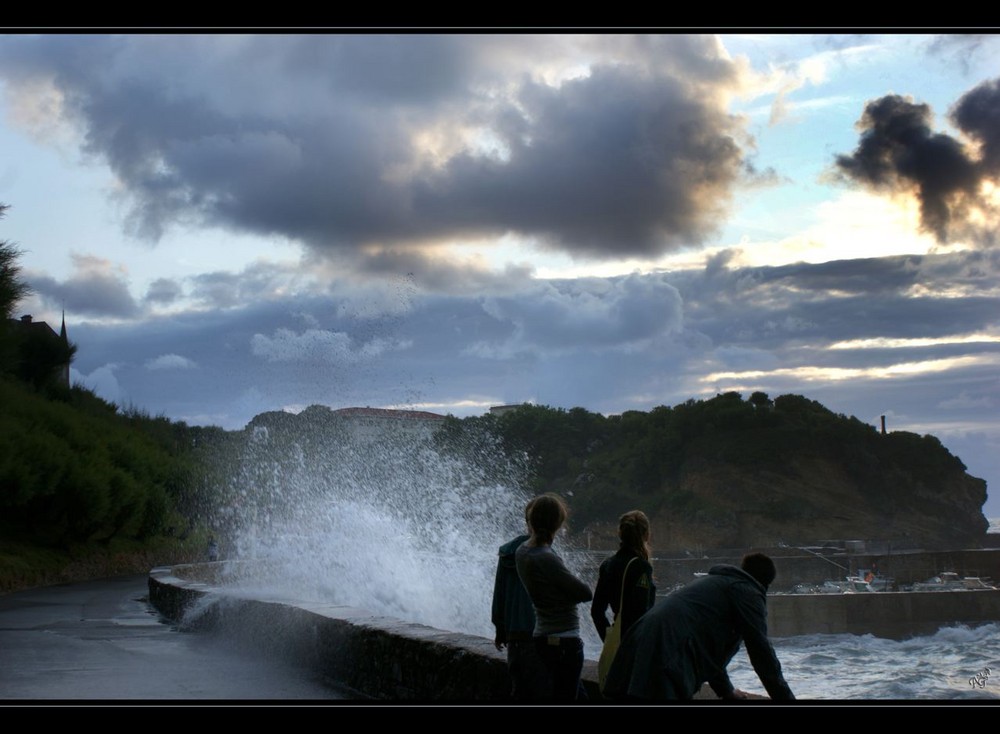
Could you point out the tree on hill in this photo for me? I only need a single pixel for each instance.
(12, 288)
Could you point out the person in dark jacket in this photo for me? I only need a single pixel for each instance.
(626, 578)
(514, 619)
(690, 637)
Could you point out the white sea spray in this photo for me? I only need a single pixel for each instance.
(384, 520)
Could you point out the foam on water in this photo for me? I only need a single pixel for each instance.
(864, 667)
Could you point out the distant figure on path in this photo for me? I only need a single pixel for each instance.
(690, 637)
(514, 619)
(554, 593)
(639, 591)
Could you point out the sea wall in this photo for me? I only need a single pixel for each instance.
(896, 615)
(376, 657)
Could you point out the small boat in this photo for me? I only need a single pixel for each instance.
(878, 582)
(856, 585)
(850, 585)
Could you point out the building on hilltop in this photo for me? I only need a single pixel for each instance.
(40, 344)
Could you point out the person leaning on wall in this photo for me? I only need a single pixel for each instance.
(689, 638)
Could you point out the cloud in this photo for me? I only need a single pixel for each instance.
(96, 288)
(587, 313)
(927, 303)
(899, 153)
(315, 345)
(595, 147)
(965, 48)
(965, 401)
(261, 280)
(170, 362)
(610, 165)
(163, 291)
(440, 272)
(102, 381)
(977, 114)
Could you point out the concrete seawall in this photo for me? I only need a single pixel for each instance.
(377, 657)
(896, 615)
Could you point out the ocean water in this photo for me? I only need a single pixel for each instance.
(955, 663)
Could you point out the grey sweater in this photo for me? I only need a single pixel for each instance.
(554, 591)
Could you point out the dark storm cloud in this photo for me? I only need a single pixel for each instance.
(617, 164)
(441, 275)
(94, 290)
(977, 114)
(899, 152)
(396, 69)
(163, 291)
(330, 140)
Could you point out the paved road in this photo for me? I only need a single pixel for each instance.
(101, 640)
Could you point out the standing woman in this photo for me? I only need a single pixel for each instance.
(631, 589)
(554, 593)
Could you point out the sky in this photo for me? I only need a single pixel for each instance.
(237, 223)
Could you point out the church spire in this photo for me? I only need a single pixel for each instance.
(62, 331)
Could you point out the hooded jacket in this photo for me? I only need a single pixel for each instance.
(513, 616)
(690, 637)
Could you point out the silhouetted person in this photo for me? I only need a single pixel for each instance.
(554, 593)
(690, 637)
(624, 583)
(514, 619)
(633, 590)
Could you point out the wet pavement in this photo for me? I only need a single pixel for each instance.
(102, 641)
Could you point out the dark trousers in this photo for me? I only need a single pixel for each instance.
(528, 675)
(563, 658)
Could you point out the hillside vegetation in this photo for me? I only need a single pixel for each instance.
(87, 489)
(729, 472)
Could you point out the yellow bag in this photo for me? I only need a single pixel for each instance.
(612, 638)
